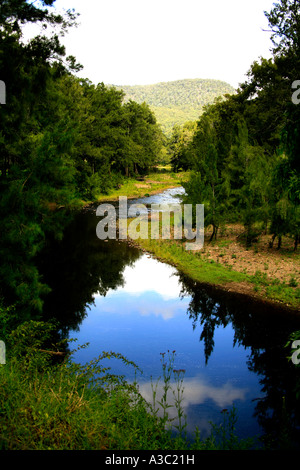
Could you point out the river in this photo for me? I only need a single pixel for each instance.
(118, 298)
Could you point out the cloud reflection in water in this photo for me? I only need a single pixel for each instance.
(197, 390)
(148, 274)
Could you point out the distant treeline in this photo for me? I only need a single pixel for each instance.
(244, 151)
(179, 101)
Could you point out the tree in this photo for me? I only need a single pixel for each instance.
(248, 171)
(256, 141)
(181, 158)
(36, 170)
(284, 21)
(145, 138)
(207, 184)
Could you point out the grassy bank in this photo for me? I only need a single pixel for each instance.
(259, 271)
(66, 406)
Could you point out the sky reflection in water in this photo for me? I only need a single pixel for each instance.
(148, 316)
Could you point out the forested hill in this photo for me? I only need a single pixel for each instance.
(179, 101)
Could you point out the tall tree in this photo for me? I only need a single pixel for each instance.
(284, 21)
(36, 171)
(248, 170)
(207, 184)
(258, 135)
(181, 158)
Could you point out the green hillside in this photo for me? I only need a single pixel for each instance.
(178, 101)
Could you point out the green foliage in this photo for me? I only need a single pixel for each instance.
(284, 21)
(253, 150)
(207, 185)
(62, 141)
(178, 146)
(35, 167)
(68, 406)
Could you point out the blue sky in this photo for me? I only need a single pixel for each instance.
(128, 42)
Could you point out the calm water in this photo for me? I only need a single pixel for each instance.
(117, 298)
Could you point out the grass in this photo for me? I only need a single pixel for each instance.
(236, 270)
(200, 268)
(67, 406)
(191, 263)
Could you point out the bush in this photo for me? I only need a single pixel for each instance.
(66, 406)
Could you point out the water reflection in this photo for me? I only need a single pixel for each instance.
(147, 274)
(263, 332)
(170, 196)
(233, 350)
(197, 393)
(143, 319)
(77, 267)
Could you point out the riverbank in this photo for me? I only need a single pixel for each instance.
(53, 408)
(144, 186)
(259, 272)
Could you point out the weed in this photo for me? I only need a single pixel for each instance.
(224, 243)
(293, 282)
(68, 406)
(225, 434)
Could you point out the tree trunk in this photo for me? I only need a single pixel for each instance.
(271, 243)
(279, 242)
(214, 233)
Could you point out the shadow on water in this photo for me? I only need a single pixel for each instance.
(77, 267)
(263, 330)
(81, 265)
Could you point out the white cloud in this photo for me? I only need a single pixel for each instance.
(144, 276)
(197, 390)
(147, 276)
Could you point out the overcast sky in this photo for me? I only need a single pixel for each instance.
(129, 42)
